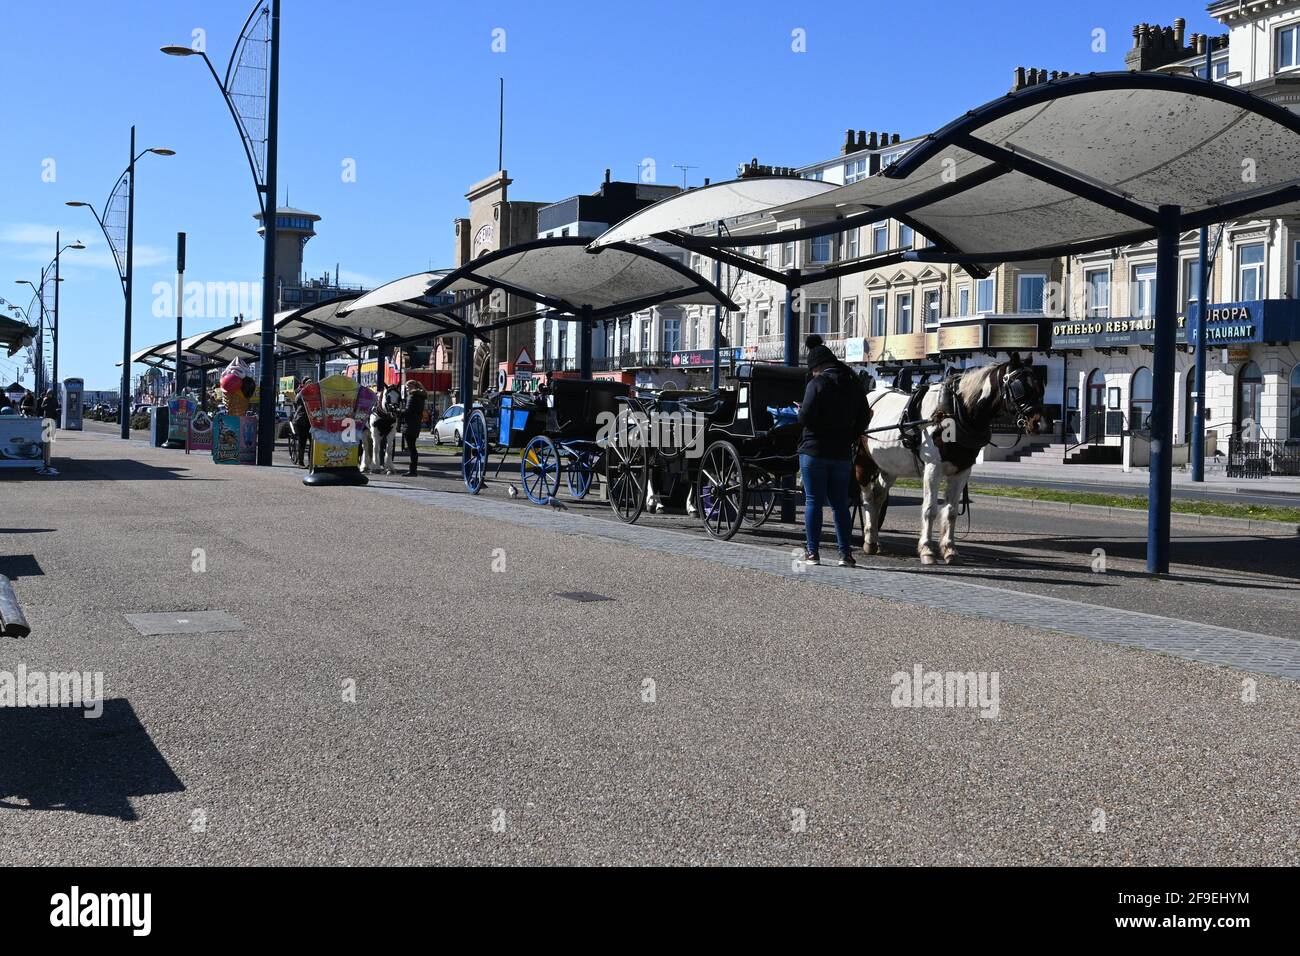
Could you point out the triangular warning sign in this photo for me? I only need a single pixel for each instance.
(524, 360)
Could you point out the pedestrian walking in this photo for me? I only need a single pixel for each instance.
(412, 419)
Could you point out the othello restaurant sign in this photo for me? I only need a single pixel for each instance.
(1265, 320)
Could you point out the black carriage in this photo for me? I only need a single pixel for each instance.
(556, 429)
(732, 447)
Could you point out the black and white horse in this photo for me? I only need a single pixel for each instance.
(378, 444)
(956, 417)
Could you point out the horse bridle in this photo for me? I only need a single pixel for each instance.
(1015, 395)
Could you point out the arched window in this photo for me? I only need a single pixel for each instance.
(1250, 398)
(1139, 401)
(1293, 433)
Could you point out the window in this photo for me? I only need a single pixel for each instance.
(1287, 40)
(932, 306)
(877, 327)
(764, 323)
(906, 237)
(851, 244)
(1191, 284)
(888, 159)
(739, 339)
(903, 314)
(609, 339)
(817, 174)
(855, 169)
(562, 339)
(880, 237)
(821, 248)
(1139, 401)
(787, 255)
(1295, 273)
(963, 300)
(1250, 272)
(1030, 289)
(1097, 290)
(1250, 400)
(819, 317)
(1218, 70)
(546, 338)
(984, 295)
(672, 335)
(1144, 291)
(850, 316)
(1293, 433)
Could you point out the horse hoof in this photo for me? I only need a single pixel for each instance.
(927, 559)
(950, 557)
(871, 549)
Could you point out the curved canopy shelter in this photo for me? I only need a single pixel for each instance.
(558, 274)
(1070, 166)
(200, 350)
(14, 334)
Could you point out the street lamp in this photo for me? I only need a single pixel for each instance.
(54, 328)
(125, 270)
(264, 179)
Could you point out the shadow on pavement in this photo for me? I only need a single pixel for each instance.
(57, 759)
(16, 566)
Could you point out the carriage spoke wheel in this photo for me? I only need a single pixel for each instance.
(761, 491)
(720, 490)
(539, 470)
(474, 452)
(580, 473)
(626, 470)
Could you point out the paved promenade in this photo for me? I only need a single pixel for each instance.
(412, 675)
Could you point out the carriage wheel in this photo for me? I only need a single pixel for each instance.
(474, 452)
(539, 470)
(626, 470)
(580, 474)
(720, 490)
(760, 499)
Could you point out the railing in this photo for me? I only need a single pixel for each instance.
(1005, 424)
(1262, 457)
(1097, 424)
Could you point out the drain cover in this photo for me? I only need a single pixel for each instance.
(184, 622)
(582, 597)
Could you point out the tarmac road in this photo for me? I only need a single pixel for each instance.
(481, 695)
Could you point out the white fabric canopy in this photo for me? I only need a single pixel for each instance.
(708, 204)
(1148, 138)
(563, 274)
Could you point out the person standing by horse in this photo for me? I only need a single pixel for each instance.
(412, 419)
(834, 415)
(300, 425)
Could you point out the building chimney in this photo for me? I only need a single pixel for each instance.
(897, 137)
(1180, 29)
(862, 139)
(871, 140)
(848, 142)
(607, 175)
(1019, 83)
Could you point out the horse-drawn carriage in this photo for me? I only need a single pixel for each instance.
(731, 448)
(556, 429)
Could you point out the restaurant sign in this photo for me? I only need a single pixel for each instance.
(1263, 320)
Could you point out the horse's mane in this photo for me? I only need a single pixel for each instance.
(971, 386)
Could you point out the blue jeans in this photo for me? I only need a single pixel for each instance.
(826, 482)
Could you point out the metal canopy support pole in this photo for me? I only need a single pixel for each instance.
(791, 333)
(1197, 450)
(466, 363)
(1162, 400)
(717, 322)
(125, 408)
(381, 358)
(266, 351)
(584, 343)
(321, 357)
(54, 329)
(180, 308)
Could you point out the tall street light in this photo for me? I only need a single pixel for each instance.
(259, 37)
(54, 329)
(125, 262)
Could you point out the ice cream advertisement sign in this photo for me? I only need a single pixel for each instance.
(337, 409)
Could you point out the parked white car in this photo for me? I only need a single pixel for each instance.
(450, 426)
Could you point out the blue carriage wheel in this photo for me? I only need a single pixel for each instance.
(579, 475)
(539, 470)
(474, 452)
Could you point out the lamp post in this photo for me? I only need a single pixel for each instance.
(54, 329)
(126, 270)
(38, 372)
(265, 183)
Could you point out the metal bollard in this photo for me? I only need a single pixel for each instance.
(12, 622)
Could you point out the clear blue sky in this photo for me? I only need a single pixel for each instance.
(407, 89)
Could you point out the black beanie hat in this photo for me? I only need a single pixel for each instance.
(818, 354)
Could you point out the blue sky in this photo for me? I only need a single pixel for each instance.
(407, 89)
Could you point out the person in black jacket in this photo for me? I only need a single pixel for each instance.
(833, 414)
(300, 424)
(412, 420)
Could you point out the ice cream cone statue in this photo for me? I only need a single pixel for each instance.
(237, 386)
